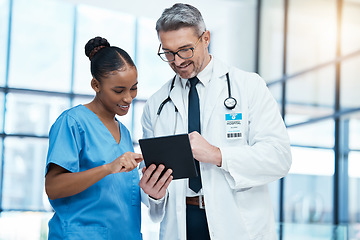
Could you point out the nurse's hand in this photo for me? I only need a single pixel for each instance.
(125, 163)
(150, 182)
(204, 151)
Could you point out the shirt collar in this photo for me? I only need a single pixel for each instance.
(204, 76)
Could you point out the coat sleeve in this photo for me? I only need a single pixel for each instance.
(266, 156)
(146, 122)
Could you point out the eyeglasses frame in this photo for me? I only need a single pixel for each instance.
(177, 52)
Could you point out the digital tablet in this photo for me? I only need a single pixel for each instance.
(173, 152)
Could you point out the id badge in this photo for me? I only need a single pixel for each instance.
(233, 125)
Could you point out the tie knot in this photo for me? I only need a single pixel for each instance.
(193, 81)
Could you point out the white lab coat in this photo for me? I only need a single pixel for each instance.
(238, 205)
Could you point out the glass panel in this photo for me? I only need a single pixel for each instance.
(310, 95)
(117, 28)
(274, 189)
(1, 111)
(354, 174)
(24, 170)
(350, 27)
(271, 40)
(314, 232)
(1, 170)
(153, 72)
(33, 225)
(354, 187)
(275, 90)
(350, 84)
(308, 188)
(311, 34)
(354, 231)
(41, 45)
(318, 134)
(354, 133)
(32, 114)
(81, 100)
(4, 24)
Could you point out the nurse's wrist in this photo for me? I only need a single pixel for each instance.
(107, 168)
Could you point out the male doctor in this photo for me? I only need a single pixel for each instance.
(240, 145)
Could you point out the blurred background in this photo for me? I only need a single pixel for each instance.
(307, 51)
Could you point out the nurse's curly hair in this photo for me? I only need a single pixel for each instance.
(179, 16)
(106, 59)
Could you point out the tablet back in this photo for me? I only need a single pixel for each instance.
(173, 152)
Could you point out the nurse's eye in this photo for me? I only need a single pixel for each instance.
(118, 92)
(133, 89)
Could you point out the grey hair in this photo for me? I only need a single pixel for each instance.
(179, 16)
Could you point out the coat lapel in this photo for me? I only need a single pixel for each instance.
(176, 97)
(211, 97)
(213, 91)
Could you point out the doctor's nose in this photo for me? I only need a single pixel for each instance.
(178, 60)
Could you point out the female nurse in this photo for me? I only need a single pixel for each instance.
(91, 177)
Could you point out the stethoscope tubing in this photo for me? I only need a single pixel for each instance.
(229, 102)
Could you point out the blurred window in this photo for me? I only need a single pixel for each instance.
(151, 76)
(24, 171)
(271, 40)
(119, 29)
(32, 114)
(41, 45)
(308, 194)
(4, 28)
(50, 73)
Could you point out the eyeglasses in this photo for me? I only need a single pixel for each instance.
(185, 53)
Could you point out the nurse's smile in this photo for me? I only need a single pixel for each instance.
(123, 107)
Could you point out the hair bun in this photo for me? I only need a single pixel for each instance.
(94, 45)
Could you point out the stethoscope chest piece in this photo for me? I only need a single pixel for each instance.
(230, 103)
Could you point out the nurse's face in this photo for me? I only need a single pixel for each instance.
(183, 38)
(117, 90)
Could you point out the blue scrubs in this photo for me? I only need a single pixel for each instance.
(110, 209)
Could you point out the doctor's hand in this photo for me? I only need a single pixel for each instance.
(204, 151)
(150, 182)
(125, 163)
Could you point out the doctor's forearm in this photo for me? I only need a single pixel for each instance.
(217, 156)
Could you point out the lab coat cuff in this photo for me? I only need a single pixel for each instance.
(156, 201)
(224, 164)
(157, 208)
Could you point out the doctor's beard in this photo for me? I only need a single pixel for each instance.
(190, 69)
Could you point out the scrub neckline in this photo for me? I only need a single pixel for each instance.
(98, 119)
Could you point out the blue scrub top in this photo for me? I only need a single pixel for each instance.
(109, 209)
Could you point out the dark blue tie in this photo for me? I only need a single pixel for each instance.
(194, 125)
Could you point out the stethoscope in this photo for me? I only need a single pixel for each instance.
(229, 102)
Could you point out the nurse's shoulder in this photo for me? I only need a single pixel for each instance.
(69, 117)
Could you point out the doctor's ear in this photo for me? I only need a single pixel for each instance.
(95, 84)
(206, 37)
